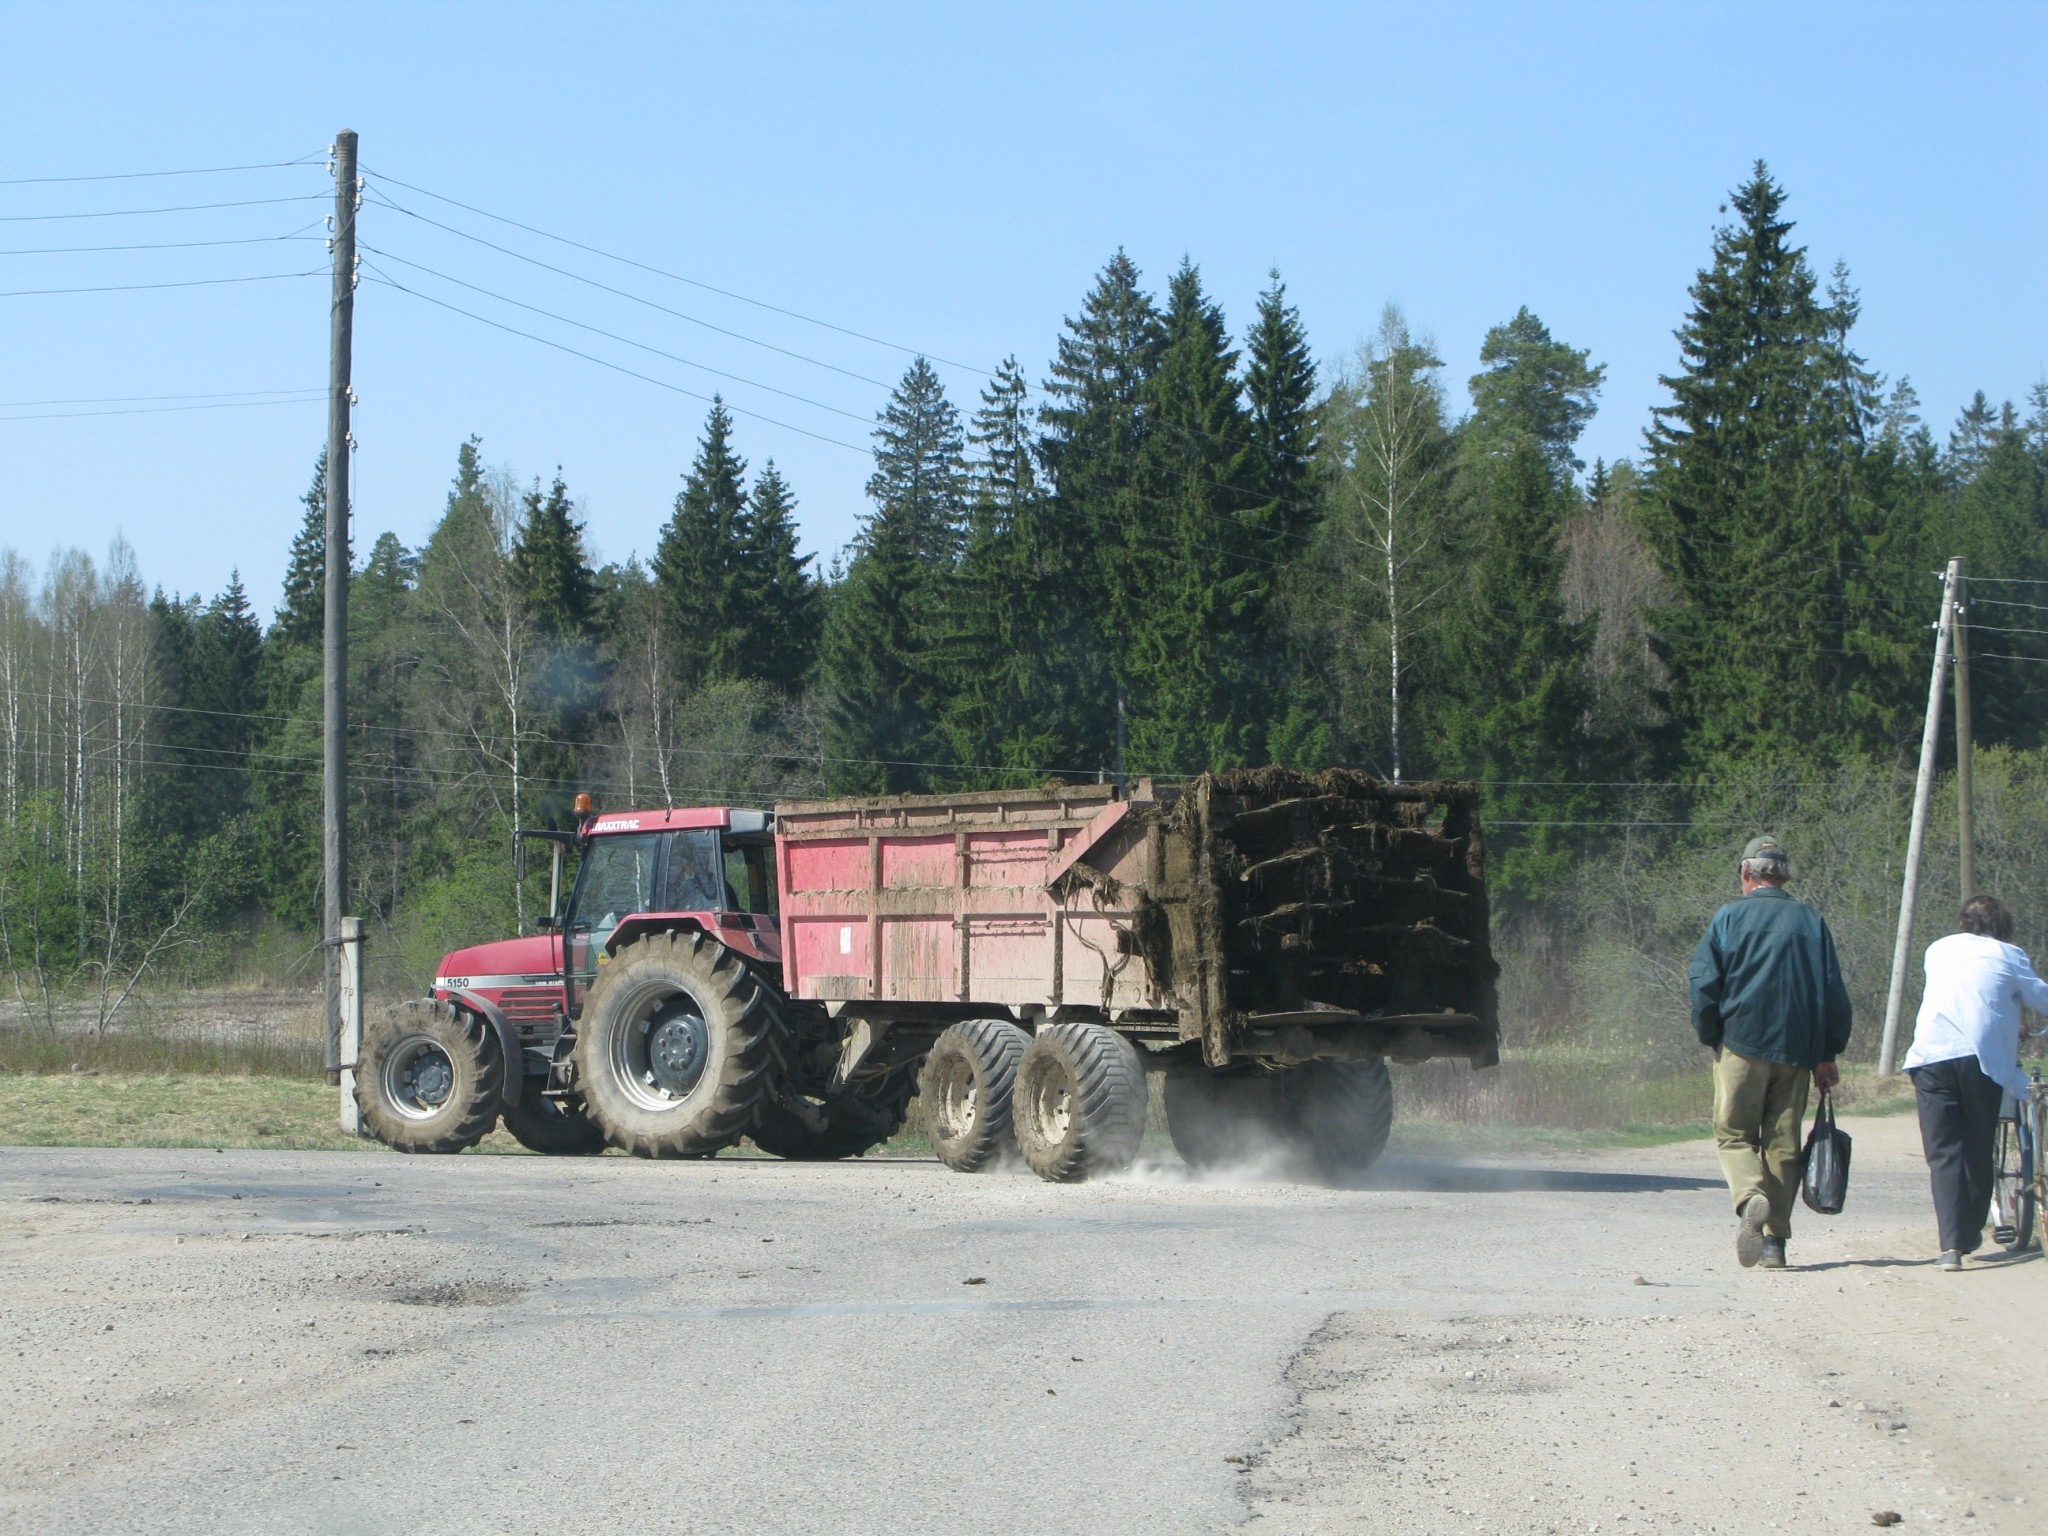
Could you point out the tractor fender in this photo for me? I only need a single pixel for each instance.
(509, 1048)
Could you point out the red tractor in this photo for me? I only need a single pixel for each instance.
(668, 957)
(1266, 939)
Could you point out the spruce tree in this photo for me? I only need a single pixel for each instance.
(1783, 565)
(781, 606)
(1094, 420)
(302, 615)
(1008, 704)
(1190, 590)
(697, 558)
(1516, 718)
(551, 569)
(1280, 390)
(882, 642)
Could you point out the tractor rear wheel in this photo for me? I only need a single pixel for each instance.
(965, 1090)
(427, 1077)
(1340, 1113)
(553, 1126)
(1080, 1102)
(856, 1119)
(675, 1047)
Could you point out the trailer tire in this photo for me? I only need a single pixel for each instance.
(552, 1126)
(427, 1077)
(675, 1047)
(1341, 1112)
(966, 1091)
(1223, 1119)
(858, 1118)
(1079, 1105)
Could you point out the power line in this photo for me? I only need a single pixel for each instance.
(136, 213)
(197, 282)
(676, 277)
(506, 250)
(623, 340)
(174, 245)
(160, 410)
(645, 378)
(229, 394)
(201, 170)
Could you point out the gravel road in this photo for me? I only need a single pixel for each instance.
(359, 1342)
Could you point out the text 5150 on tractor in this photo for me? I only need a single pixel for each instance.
(1019, 959)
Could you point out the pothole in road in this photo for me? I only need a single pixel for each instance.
(461, 1293)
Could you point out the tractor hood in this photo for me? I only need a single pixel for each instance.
(507, 963)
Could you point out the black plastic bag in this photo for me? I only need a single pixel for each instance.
(1824, 1170)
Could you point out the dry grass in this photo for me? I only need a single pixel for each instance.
(103, 1109)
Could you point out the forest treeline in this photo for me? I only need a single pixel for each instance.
(1182, 549)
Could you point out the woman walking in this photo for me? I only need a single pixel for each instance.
(1965, 1058)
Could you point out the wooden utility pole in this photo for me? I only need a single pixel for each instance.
(1923, 788)
(334, 686)
(1966, 797)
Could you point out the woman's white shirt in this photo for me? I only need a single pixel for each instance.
(1975, 986)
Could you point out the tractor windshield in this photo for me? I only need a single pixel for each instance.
(616, 880)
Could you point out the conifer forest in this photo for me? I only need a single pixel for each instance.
(1197, 542)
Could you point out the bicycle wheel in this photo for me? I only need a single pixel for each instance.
(2012, 1187)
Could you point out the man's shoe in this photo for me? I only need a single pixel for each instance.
(1774, 1254)
(1749, 1237)
(1951, 1259)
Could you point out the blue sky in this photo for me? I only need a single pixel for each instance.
(941, 177)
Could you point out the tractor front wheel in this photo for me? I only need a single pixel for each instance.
(428, 1076)
(675, 1047)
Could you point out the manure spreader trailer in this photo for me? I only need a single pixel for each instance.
(1017, 960)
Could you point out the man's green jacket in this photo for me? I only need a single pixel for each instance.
(1766, 983)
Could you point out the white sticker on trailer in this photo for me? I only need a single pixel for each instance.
(846, 941)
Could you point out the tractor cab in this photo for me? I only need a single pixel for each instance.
(709, 868)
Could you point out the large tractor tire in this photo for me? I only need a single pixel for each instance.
(1224, 1119)
(965, 1091)
(675, 1047)
(855, 1119)
(427, 1077)
(551, 1126)
(1340, 1113)
(1080, 1102)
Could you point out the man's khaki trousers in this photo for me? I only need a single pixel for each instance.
(1758, 1107)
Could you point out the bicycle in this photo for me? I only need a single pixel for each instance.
(2019, 1179)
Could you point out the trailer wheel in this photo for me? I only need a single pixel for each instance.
(966, 1090)
(1221, 1119)
(675, 1047)
(1079, 1103)
(1341, 1112)
(552, 1126)
(859, 1117)
(427, 1078)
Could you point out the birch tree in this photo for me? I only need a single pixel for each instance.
(1381, 568)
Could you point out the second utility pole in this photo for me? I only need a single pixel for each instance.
(1966, 795)
(1916, 839)
(334, 681)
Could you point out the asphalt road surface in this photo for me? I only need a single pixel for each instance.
(343, 1342)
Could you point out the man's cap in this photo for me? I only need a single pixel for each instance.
(1765, 847)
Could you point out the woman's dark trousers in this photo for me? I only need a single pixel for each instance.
(1958, 1127)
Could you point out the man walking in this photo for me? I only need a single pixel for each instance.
(1767, 997)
